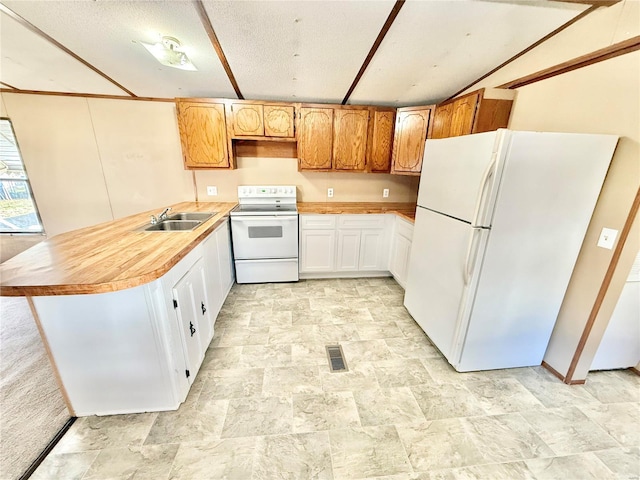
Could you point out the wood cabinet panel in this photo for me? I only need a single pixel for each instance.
(472, 113)
(492, 114)
(350, 139)
(463, 115)
(278, 121)
(408, 144)
(203, 135)
(247, 119)
(442, 121)
(315, 138)
(381, 141)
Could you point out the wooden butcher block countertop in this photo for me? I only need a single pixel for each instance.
(404, 210)
(107, 257)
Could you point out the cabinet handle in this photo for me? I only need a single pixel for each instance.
(204, 309)
(192, 328)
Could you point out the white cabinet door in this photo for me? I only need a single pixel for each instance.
(317, 250)
(400, 258)
(188, 295)
(348, 253)
(373, 250)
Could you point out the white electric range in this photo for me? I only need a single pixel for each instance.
(264, 229)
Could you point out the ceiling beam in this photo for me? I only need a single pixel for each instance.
(10, 86)
(385, 28)
(528, 49)
(25, 23)
(84, 95)
(626, 46)
(206, 23)
(596, 3)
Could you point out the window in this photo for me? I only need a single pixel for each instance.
(18, 212)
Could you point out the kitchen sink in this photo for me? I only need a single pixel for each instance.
(173, 225)
(199, 216)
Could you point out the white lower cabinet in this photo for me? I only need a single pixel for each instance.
(344, 245)
(348, 252)
(191, 305)
(400, 250)
(136, 350)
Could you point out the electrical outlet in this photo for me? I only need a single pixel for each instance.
(212, 191)
(329, 192)
(607, 238)
(385, 193)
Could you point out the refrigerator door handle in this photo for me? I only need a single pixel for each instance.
(468, 265)
(483, 185)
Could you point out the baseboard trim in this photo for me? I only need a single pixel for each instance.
(553, 371)
(358, 274)
(47, 450)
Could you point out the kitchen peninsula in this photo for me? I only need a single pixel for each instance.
(127, 315)
(103, 298)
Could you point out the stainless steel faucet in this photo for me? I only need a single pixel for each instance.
(163, 214)
(161, 217)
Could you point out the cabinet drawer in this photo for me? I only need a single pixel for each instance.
(318, 222)
(361, 221)
(404, 228)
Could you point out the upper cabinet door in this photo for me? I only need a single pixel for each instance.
(203, 134)
(408, 145)
(350, 139)
(278, 121)
(463, 115)
(315, 138)
(381, 141)
(247, 119)
(442, 121)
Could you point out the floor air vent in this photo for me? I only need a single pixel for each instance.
(336, 358)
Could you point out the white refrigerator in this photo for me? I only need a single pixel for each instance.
(500, 220)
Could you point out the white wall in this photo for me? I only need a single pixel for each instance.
(93, 160)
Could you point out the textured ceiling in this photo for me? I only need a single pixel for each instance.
(281, 50)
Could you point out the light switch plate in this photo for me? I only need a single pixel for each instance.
(385, 193)
(329, 192)
(607, 238)
(212, 191)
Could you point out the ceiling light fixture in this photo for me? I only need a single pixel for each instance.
(169, 53)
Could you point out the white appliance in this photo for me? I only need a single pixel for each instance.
(500, 220)
(620, 344)
(264, 230)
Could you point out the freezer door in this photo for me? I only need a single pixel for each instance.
(460, 175)
(443, 268)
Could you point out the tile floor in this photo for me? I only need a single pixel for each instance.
(266, 406)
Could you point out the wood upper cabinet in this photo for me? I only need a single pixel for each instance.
(278, 121)
(253, 119)
(463, 115)
(381, 140)
(247, 119)
(412, 124)
(480, 111)
(315, 138)
(350, 127)
(203, 134)
(442, 121)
